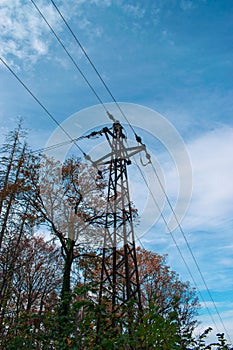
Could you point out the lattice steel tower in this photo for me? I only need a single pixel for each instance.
(119, 282)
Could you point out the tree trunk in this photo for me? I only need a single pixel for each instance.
(66, 290)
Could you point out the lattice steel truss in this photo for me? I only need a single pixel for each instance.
(119, 272)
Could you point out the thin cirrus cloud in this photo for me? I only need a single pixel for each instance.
(22, 33)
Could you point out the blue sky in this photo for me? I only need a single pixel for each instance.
(172, 56)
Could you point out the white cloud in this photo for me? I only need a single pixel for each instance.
(39, 46)
(23, 33)
(135, 10)
(101, 2)
(219, 305)
(206, 322)
(186, 5)
(208, 222)
(25, 36)
(212, 163)
(213, 171)
(227, 262)
(212, 338)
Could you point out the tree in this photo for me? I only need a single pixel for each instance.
(28, 265)
(16, 216)
(69, 198)
(34, 288)
(38, 276)
(49, 294)
(199, 343)
(15, 162)
(169, 305)
(161, 285)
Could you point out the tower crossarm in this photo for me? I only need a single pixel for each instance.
(127, 152)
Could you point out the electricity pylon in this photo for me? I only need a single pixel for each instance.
(119, 280)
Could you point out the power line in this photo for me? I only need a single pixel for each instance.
(96, 71)
(176, 244)
(100, 100)
(57, 145)
(42, 106)
(83, 50)
(184, 236)
(64, 143)
(138, 138)
(70, 56)
(94, 67)
(189, 248)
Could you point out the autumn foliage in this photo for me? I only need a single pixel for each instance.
(51, 236)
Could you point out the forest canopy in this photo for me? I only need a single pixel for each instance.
(49, 285)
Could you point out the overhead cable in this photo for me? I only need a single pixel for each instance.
(42, 106)
(176, 244)
(95, 69)
(138, 139)
(189, 248)
(70, 56)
